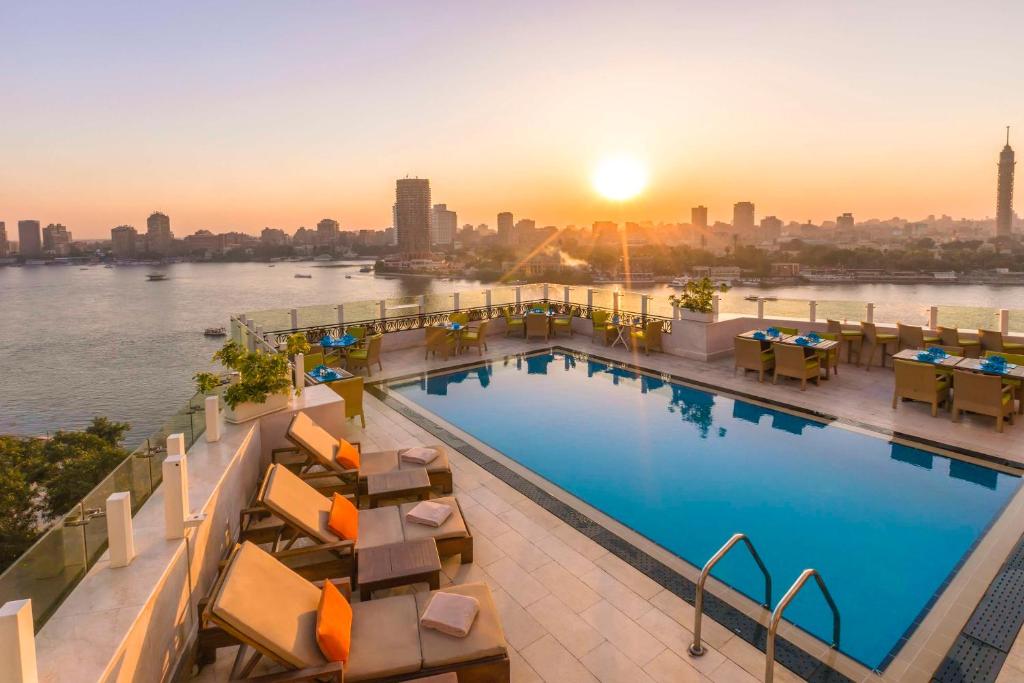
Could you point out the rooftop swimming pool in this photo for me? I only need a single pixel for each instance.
(886, 524)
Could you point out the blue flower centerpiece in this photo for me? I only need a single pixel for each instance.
(814, 337)
(347, 339)
(326, 340)
(773, 332)
(936, 352)
(925, 357)
(759, 335)
(456, 326)
(803, 341)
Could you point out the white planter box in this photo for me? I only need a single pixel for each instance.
(687, 314)
(244, 412)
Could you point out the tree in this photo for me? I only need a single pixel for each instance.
(18, 506)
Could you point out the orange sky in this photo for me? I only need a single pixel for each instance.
(879, 109)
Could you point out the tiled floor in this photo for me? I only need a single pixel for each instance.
(572, 611)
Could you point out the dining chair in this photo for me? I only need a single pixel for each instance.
(874, 339)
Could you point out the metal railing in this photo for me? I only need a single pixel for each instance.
(696, 647)
(773, 626)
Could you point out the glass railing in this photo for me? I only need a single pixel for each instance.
(50, 569)
(849, 312)
(969, 317)
(1017, 320)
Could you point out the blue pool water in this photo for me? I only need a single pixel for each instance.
(885, 524)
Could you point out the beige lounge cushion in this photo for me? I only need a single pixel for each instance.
(315, 439)
(377, 463)
(454, 526)
(450, 613)
(385, 639)
(271, 606)
(296, 502)
(379, 526)
(438, 464)
(485, 639)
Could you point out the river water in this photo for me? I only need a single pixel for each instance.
(75, 343)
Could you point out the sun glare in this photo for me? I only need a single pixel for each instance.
(620, 178)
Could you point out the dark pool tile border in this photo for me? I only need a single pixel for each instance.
(787, 654)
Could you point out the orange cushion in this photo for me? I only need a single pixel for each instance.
(334, 624)
(347, 455)
(344, 518)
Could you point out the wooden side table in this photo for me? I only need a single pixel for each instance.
(398, 564)
(398, 484)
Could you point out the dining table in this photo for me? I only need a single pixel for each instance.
(322, 374)
(340, 345)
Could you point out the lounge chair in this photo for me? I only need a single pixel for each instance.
(601, 328)
(303, 514)
(874, 340)
(992, 340)
(920, 382)
(537, 325)
(649, 338)
(984, 394)
(476, 336)
(513, 323)
(1014, 382)
(563, 322)
(259, 604)
(321, 449)
(790, 361)
(950, 336)
(439, 340)
(366, 357)
(913, 337)
(750, 356)
(853, 339)
(351, 390)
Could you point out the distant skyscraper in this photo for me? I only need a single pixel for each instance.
(56, 240)
(1004, 190)
(412, 216)
(443, 226)
(743, 217)
(328, 231)
(771, 228)
(845, 222)
(122, 241)
(158, 233)
(30, 239)
(699, 216)
(506, 228)
(3, 239)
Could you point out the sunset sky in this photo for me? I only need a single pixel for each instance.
(240, 115)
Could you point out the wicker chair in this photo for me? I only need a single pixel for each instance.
(537, 326)
(950, 336)
(920, 382)
(992, 340)
(852, 339)
(649, 338)
(439, 340)
(790, 361)
(874, 339)
(983, 394)
(475, 337)
(913, 337)
(750, 356)
(365, 358)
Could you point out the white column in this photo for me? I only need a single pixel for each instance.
(175, 471)
(519, 295)
(242, 319)
(295, 318)
(17, 643)
(250, 338)
(455, 301)
(933, 317)
(643, 306)
(1004, 321)
(487, 297)
(813, 311)
(714, 307)
(422, 301)
(211, 407)
(615, 301)
(546, 292)
(383, 309)
(565, 294)
(760, 308)
(120, 535)
(590, 298)
(871, 313)
(341, 314)
(299, 371)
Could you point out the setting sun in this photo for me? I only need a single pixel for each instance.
(620, 178)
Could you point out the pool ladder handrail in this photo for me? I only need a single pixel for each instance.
(696, 647)
(773, 626)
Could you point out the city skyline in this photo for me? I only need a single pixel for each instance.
(314, 126)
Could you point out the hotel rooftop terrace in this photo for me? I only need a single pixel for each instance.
(582, 552)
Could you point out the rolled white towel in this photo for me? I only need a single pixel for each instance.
(418, 455)
(429, 514)
(450, 613)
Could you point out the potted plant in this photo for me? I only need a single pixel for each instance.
(696, 302)
(296, 343)
(263, 385)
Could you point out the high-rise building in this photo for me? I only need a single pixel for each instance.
(506, 228)
(159, 238)
(771, 228)
(743, 217)
(845, 222)
(123, 240)
(1004, 190)
(443, 226)
(3, 240)
(273, 237)
(30, 240)
(699, 216)
(328, 231)
(524, 233)
(56, 240)
(412, 216)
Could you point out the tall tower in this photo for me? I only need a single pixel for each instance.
(412, 216)
(505, 228)
(699, 216)
(1004, 191)
(743, 217)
